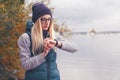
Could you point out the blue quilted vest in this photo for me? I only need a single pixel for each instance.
(45, 71)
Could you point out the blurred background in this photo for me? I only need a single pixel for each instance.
(93, 25)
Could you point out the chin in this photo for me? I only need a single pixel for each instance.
(45, 29)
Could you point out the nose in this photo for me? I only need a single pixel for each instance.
(46, 22)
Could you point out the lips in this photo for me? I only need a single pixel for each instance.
(45, 27)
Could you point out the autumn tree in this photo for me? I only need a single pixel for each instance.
(13, 16)
(12, 23)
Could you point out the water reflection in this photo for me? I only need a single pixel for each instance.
(98, 58)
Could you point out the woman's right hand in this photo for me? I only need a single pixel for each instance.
(48, 44)
(46, 47)
(45, 52)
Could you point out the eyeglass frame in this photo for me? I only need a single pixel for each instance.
(46, 19)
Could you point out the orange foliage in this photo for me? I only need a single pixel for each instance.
(10, 56)
(12, 26)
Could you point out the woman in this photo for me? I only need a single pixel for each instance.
(39, 61)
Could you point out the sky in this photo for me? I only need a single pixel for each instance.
(84, 15)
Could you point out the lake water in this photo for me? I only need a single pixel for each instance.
(98, 58)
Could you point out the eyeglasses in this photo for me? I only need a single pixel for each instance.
(45, 19)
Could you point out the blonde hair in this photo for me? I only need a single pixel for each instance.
(37, 35)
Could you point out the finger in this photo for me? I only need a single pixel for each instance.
(51, 42)
(46, 48)
(46, 39)
(49, 46)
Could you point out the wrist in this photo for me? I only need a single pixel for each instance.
(44, 54)
(56, 42)
(59, 44)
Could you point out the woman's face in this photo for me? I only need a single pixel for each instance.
(45, 21)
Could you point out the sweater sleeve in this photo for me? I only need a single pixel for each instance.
(67, 45)
(27, 61)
